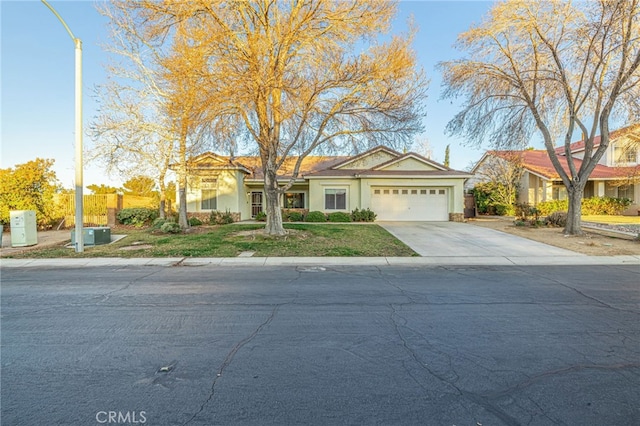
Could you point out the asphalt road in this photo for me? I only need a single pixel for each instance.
(493, 345)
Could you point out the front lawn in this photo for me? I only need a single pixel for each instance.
(366, 240)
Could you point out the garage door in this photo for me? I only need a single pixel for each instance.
(410, 204)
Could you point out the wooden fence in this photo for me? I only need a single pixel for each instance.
(99, 209)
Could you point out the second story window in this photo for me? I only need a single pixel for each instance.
(625, 154)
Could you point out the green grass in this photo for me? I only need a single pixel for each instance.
(633, 220)
(303, 240)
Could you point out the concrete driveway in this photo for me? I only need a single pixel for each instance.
(453, 239)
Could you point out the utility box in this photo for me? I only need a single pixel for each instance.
(93, 236)
(24, 230)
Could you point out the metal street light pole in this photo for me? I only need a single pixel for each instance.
(78, 118)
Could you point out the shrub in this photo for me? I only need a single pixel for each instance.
(157, 223)
(316, 216)
(558, 219)
(547, 207)
(364, 215)
(194, 221)
(295, 217)
(137, 216)
(604, 205)
(220, 218)
(261, 217)
(590, 206)
(339, 217)
(170, 228)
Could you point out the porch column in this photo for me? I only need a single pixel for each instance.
(548, 190)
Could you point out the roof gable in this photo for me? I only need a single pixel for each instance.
(209, 159)
(368, 159)
(410, 161)
(580, 145)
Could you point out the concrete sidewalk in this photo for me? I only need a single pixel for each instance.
(323, 262)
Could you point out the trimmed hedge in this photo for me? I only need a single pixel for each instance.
(590, 206)
(315, 216)
(339, 217)
(138, 216)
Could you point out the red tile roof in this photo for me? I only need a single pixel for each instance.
(579, 145)
(538, 162)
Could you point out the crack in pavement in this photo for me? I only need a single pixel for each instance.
(229, 358)
(480, 400)
(234, 350)
(583, 294)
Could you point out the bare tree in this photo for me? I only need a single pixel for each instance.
(151, 112)
(503, 170)
(423, 147)
(558, 68)
(302, 76)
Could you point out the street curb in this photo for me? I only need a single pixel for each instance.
(323, 261)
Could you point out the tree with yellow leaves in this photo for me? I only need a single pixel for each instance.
(556, 68)
(301, 77)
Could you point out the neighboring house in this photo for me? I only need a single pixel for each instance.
(404, 187)
(616, 175)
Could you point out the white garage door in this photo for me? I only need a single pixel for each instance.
(410, 204)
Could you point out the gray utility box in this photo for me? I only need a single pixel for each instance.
(23, 228)
(93, 236)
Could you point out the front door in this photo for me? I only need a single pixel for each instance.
(256, 203)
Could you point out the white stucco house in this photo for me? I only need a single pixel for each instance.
(396, 186)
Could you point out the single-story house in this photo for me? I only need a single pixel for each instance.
(616, 175)
(396, 186)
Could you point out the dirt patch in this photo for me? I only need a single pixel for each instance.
(592, 243)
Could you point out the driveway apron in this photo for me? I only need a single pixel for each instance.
(453, 239)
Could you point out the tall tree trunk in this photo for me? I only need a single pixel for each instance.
(182, 182)
(274, 214)
(575, 193)
(163, 197)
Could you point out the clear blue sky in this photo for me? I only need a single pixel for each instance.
(37, 77)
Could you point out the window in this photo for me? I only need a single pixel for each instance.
(209, 194)
(414, 192)
(395, 191)
(386, 191)
(626, 192)
(294, 200)
(625, 154)
(423, 192)
(441, 191)
(335, 199)
(405, 191)
(376, 191)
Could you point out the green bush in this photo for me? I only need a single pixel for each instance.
(137, 216)
(194, 221)
(364, 215)
(170, 228)
(339, 217)
(157, 223)
(558, 219)
(261, 217)
(590, 206)
(315, 216)
(294, 217)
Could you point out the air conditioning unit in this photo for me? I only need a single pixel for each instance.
(93, 236)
